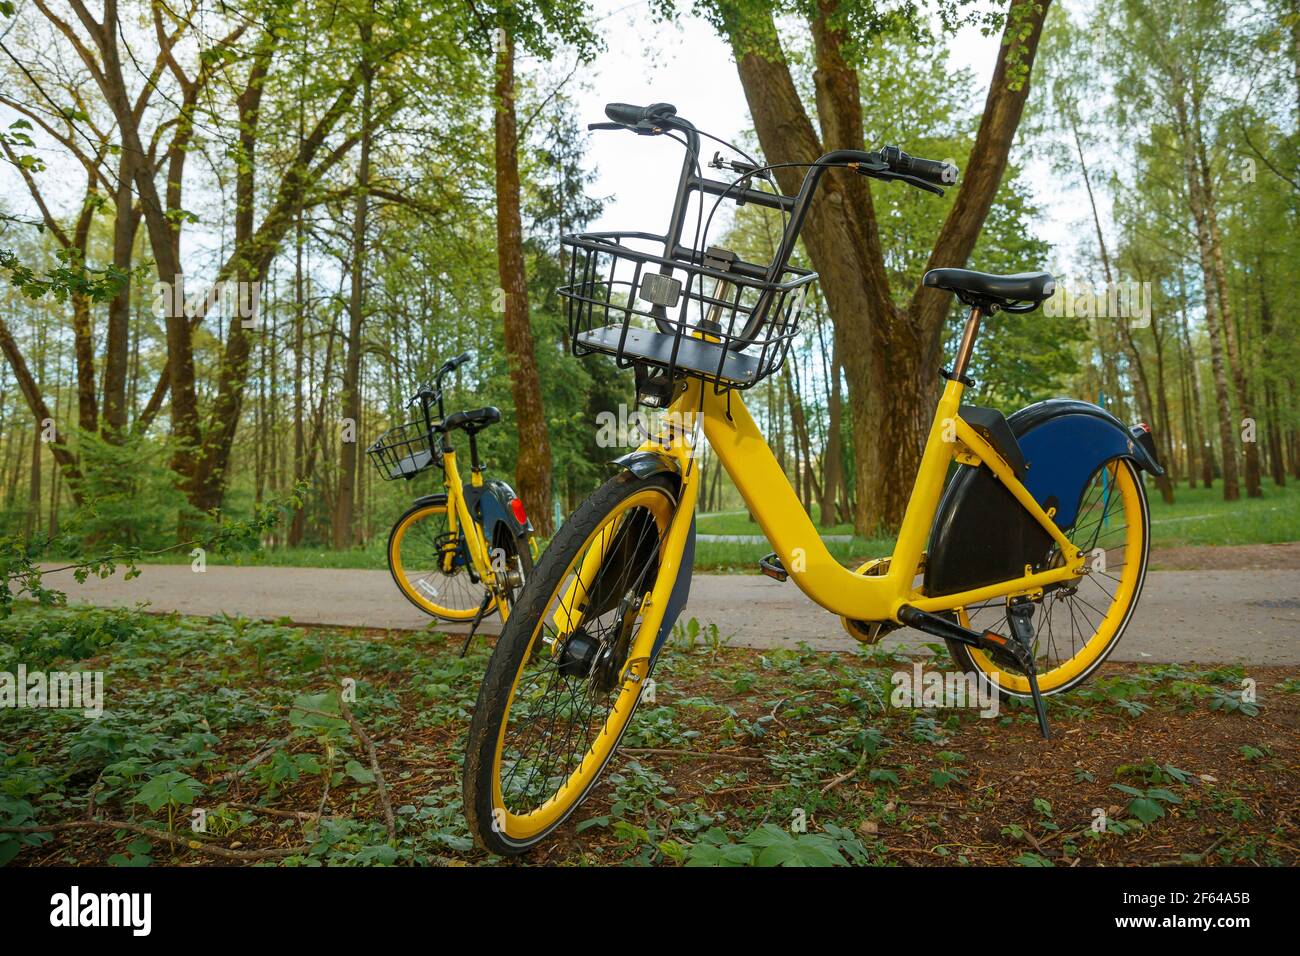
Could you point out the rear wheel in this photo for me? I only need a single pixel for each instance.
(562, 684)
(512, 563)
(1078, 625)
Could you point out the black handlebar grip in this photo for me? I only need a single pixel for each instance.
(934, 171)
(625, 113)
(929, 170)
(460, 360)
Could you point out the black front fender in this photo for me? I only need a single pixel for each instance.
(645, 464)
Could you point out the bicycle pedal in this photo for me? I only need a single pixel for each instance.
(773, 568)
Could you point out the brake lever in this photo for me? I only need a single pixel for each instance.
(643, 128)
(884, 172)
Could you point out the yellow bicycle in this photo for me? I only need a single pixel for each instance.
(465, 552)
(1028, 563)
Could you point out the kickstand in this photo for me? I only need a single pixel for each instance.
(1039, 706)
(478, 619)
(1020, 620)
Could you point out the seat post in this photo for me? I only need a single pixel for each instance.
(967, 343)
(475, 465)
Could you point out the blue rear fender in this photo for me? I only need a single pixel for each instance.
(982, 535)
(1064, 443)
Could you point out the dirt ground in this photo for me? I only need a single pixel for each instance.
(741, 747)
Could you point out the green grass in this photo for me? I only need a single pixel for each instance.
(370, 557)
(732, 557)
(775, 757)
(738, 522)
(1202, 517)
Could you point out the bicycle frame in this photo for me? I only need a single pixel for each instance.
(744, 453)
(458, 516)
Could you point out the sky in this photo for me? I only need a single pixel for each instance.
(689, 66)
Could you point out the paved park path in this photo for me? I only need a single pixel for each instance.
(1210, 616)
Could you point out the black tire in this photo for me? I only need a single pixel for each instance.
(516, 644)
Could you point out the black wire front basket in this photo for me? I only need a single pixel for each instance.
(405, 451)
(707, 315)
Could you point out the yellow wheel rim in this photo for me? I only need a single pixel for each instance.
(409, 581)
(560, 608)
(1119, 585)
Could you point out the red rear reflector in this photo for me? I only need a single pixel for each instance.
(517, 508)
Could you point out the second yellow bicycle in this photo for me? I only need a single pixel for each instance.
(465, 552)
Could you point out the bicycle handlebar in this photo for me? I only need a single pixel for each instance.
(889, 163)
(428, 394)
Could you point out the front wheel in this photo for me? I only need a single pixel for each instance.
(562, 683)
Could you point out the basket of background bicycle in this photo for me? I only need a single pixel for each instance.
(405, 451)
(709, 314)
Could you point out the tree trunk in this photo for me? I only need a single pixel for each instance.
(345, 501)
(1235, 358)
(832, 454)
(83, 335)
(250, 268)
(533, 466)
(34, 485)
(125, 223)
(1205, 451)
(1196, 202)
(890, 367)
(1142, 386)
(36, 403)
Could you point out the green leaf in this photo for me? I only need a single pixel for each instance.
(1146, 810)
(359, 773)
(172, 788)
(383, 855)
